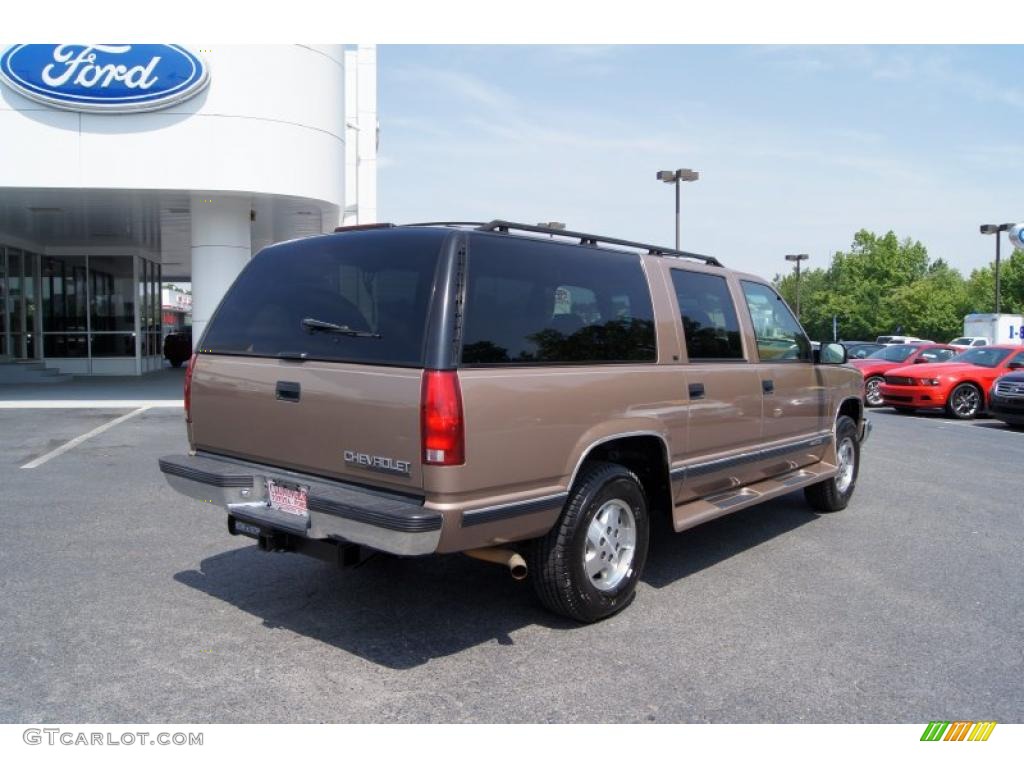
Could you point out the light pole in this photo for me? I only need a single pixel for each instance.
(674, 177)
(797, 257)
(995, 229)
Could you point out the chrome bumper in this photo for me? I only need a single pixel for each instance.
(382, 521)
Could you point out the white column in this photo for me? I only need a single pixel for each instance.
(221, 246)
(350, 211)
(366, 105)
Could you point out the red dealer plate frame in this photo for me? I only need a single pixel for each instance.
(287, 498)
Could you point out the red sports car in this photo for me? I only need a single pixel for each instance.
(875, 365)
(961, 386)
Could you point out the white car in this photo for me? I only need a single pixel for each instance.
(966, 342)
(890, 340)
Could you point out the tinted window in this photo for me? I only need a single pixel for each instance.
(533, 302)
(375, 284)
(986, 357)
(937, 355)
(895, 354)
(710, 327)
(860, 351)
(779, 335)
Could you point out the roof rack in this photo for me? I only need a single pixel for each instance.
(447, 224)
(499, 225)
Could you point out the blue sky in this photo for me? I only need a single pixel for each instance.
(798, 146)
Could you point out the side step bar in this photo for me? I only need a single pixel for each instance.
(708, 508)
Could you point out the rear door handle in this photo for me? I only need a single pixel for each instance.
(768, 386)
(289, 390)
(697, 391)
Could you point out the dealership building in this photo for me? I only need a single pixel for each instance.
(129, 166)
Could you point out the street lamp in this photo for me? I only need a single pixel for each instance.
(995, 229)
(674, 177)
(797, 257)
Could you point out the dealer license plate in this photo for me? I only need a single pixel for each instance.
(290, 499)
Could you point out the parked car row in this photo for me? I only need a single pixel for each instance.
(964, 383)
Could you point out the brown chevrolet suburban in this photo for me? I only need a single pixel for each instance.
(538, 398)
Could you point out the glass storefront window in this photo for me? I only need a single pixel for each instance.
(83, 305)
(4, 352)
(65, 345)
(14, 292)
(63, 284)
(113, 345)
(111, 299)
(144, 303)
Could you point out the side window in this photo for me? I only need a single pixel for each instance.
(532, 302)
(779, 335)
(710, 326)
(937, 355)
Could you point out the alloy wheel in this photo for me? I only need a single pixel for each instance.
(611, 545)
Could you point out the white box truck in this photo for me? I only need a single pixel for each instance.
(998, 329)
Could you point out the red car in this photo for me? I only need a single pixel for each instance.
(875, 365)
(961, 386)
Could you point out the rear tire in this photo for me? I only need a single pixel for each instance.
(588, 565)
(834, 494)
(176, 363)
(965, 402)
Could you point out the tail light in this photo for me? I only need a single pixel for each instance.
(188, 388)
(442, 428)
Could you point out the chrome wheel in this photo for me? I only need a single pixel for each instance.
(965, 401)
(847, 465)
(871, 391)
(611, 544)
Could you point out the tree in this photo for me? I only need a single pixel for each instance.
(853, 286)
(981, 286)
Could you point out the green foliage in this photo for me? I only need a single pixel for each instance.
(884, 283)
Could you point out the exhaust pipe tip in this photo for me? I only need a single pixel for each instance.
(509, 558)
(518, 569)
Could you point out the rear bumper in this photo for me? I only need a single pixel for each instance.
(338, 511)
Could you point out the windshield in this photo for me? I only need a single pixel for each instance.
(360, 297)
(963, 341)
(896, 354)
(986, 357)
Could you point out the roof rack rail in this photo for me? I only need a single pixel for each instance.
(360, 227)
(499, 225)
(446, 224)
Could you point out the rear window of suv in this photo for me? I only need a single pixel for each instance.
(534, 302)
(359, 297)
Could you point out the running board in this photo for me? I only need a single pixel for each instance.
(708, 508)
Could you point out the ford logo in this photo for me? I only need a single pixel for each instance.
(1017, 236)
(93, 77)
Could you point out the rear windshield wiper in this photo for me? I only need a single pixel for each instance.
(313, 325)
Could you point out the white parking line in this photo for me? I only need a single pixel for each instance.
(81, 439)
(88, 404)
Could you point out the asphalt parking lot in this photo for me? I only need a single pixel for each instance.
(122, 601)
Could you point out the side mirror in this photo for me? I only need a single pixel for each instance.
(920, 360)
(830, 354)
(1015, 366)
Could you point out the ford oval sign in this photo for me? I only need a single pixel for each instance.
(1017, 236)
(93, 77)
